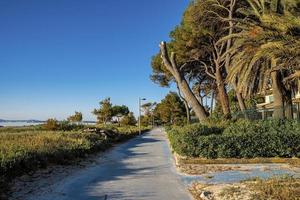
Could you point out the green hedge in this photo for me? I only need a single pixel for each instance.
(242, 139)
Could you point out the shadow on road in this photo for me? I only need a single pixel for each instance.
(120, 164)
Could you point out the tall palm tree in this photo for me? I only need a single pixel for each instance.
(268, 48)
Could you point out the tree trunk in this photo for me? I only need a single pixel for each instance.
(171, 66)
(288, 105)
(278, 96)
(239, 96)
(241, 103)
(188, 114)
(192, 100)
(212, 102)
(187, 107)
(223, 97)
(279, 7)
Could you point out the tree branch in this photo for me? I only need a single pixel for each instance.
(207, 71)
(165, 57)
(292, 77)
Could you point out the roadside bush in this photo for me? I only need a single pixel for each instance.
(55, 125)
(67, 126)
(128, 120)
(51, 124)
(219, 122)
(241, 139)
(185, 140)
(27, 149)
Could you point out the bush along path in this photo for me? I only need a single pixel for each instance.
(242, 139)
(23, 150)
(215, 159)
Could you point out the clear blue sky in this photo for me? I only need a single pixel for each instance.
(58, 56)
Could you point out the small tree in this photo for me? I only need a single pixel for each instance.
(51, 124)
(119, 111)
(171, 110)
(104, 113)
(147, 117)
(76, 118)
(129, 120)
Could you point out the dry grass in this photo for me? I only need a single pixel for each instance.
(27, 148)
(286, 188)
(276, 188)
(197, 166)
(185, 160)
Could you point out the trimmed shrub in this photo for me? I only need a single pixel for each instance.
(185, 140)
(241, 139)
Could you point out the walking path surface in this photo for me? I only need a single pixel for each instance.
(139, 169)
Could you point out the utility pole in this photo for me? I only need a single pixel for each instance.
(140, 102)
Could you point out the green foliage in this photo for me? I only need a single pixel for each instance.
(119, 111)
(148, 113)
(241, 139)
(77, 117)
(185, 140)
(28, 148)
(171, 110)
(67, 126)
(55, 125)
(109, 113)
(51, 124)
(105, 112)
(250, 104)
(267, 42)
(128, 120)
(160, 75)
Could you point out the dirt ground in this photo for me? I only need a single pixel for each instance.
(215, 181)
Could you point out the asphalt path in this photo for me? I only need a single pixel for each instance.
(140, 169)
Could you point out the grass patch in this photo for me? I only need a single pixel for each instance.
(275, 188)
(281, 188)
(231, 192)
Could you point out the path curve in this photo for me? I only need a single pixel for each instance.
(140, 169)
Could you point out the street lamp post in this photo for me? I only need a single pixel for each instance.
(140, 101)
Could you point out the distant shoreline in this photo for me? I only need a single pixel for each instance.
(19, 123)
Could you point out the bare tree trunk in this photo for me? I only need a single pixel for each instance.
(212, 102)
(288, 105)
(187, 107)
(170, 64)
(239, 96)
(241, 104)
(192, 100)
(241, 101)
(279, 7)
(278, 96)
(223, 97)
(188, 114)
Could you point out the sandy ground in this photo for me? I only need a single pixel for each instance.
(236, 191)
(227, 181)
(141, 169)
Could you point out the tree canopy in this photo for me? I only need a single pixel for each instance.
(170, 110)
(247, 46)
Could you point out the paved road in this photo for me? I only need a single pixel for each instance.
(139, 169)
